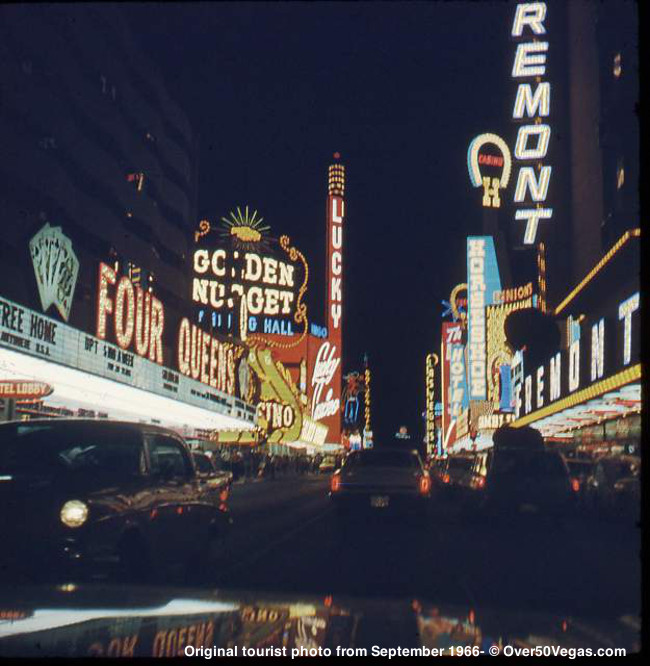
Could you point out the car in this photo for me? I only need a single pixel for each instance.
(458, 472)
(614, 487)
(580, 470)
(327, 465)
(87, 498)
(216, 483)
(505, 482)
(386, 480)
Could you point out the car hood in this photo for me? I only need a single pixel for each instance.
(70, 620)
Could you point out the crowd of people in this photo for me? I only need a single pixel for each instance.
(251, 464)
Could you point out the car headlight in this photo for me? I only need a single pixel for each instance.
(74, 513)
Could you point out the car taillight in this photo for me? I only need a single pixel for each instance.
(335, 484)
(424, 484)
(445, 478)
(575, 485)
(480, 482)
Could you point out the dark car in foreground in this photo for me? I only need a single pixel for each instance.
(90, 498)
(387, 480)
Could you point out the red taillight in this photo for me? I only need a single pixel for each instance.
(480, 482)
(575, 485)
(445, 478)
(335, 484)
(425, 484)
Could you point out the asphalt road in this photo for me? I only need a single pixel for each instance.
(286, 539)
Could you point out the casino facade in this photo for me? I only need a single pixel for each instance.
(550, 335)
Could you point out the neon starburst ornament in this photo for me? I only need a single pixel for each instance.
(245, 231)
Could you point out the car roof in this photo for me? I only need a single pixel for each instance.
(73, 421)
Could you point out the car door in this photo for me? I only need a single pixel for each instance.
(174, 482)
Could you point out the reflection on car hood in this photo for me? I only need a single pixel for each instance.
(70, 620)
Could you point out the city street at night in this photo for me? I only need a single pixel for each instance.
(286, 538)
(321, 329)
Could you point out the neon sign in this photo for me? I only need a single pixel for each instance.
(483, 281)
(138, 317)
(531, 106)
(326, 367)
(431, 362)
(476, 159)
(248, 270)
(334, 300)
(588, 360)
(55, 267)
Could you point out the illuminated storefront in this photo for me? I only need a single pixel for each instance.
(588, 393)
(134, 365)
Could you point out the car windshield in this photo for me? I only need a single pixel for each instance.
(84, 450)
(345, 291)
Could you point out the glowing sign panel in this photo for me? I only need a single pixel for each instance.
(249, 271)
(483, 280)
(533, 139)
(476, 159)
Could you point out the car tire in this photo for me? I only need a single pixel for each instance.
(211, 554)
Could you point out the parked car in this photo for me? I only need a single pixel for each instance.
(87, 498)
(216, 483)
(386, 480)
(614, 487)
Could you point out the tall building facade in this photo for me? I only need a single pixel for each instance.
(91, 142)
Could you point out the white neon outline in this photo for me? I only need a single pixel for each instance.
(472, 158)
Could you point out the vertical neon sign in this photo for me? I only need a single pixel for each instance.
(531, 107)
(334, 285)
(483, 280)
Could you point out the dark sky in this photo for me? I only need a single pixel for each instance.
(399, 89)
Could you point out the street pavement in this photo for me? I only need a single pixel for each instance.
(287, 539)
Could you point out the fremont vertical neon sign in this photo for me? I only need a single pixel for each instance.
(532, 108)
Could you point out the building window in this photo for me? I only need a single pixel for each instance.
(617, 69)
(620, 174)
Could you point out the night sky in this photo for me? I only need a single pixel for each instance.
(399, 89)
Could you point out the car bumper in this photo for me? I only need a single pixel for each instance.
(47, 558)
(379, 502)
